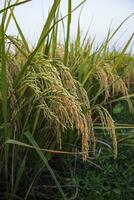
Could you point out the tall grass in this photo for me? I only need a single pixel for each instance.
(52, 95)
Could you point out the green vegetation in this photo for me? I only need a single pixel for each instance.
(66, 132)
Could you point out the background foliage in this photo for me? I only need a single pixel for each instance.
(62, 104)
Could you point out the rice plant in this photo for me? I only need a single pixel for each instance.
(52, 93)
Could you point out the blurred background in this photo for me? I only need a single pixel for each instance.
(97, 16)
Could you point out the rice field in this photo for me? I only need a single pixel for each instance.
(65, 110)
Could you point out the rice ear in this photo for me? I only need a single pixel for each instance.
(51, 88)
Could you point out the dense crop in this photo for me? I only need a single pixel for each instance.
(57, 100)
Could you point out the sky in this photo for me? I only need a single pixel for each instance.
(99, 14)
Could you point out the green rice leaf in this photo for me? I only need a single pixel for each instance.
(68, 31)
(14, 5)
(42, 156)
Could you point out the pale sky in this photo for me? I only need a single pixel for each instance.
(102, 13)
